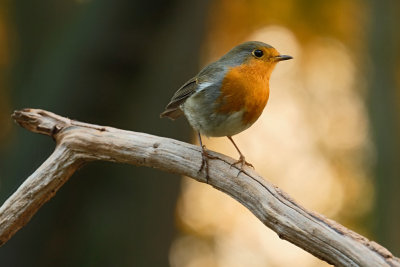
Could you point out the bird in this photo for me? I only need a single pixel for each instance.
(227, 96)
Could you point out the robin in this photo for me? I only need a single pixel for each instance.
(227, 96)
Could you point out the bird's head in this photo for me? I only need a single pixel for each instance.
(257, 52)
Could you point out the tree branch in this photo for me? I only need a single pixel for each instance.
(79, 143)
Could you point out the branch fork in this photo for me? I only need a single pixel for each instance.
(78, 143)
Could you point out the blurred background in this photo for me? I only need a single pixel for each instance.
(329, 135)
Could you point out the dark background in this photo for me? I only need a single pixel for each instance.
(112, 63)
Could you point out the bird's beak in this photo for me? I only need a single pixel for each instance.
(282, 57)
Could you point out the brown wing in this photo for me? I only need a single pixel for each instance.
(172, 110)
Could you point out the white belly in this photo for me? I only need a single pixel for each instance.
(210, 124)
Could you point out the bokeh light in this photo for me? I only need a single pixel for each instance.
(316, 123)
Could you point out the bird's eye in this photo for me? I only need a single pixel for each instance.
(258, 53)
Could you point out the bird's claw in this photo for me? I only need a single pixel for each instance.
(242, 161)
(204, 162)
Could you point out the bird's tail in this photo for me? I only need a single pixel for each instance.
(171, 113)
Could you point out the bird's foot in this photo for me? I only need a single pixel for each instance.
(204, 163)
(242, 162)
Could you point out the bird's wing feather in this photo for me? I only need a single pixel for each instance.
(172, 110)
(207, 75)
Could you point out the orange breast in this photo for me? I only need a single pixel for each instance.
(246, 87)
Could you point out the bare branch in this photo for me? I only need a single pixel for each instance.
(78, 143)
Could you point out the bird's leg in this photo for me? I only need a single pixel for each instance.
(205, 157)
(242, 161)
